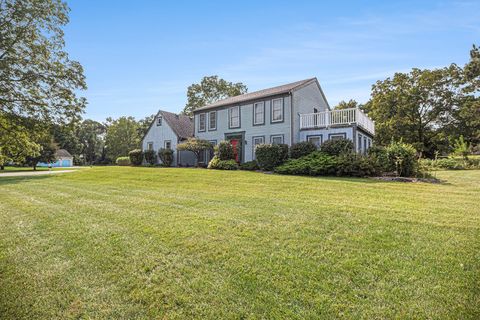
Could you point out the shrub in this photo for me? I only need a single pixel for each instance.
(356, 165)
(337, 147)
(314, 164)
(271, 155)
(150, 157)
(225, 151)
(450, 164)
(218, 164)
(302, 149)
(166, 157)
(136, 157)
(123, 161)
(249, 165)
(401, 158)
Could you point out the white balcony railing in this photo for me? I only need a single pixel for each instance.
(337, 118)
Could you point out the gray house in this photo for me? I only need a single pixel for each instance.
(287, 114)
(166, 131)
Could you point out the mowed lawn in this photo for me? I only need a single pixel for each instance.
(143, 243)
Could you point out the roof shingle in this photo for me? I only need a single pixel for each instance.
(181, 124)
(257, 94)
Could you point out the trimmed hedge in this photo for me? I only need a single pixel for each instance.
(123, 161)
(321, 164)
(224, 151)
(150, 156)
(166, 157)
(249, 165)
(337, 147)
(218, 164)
(302, 149)
(136, 157)
(270, 156)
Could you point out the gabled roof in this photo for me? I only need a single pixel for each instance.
(286, 88)
(62, 153)
(181, 124)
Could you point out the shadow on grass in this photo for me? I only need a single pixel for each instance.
(21, 179)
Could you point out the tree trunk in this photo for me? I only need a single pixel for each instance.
(34, 167)
(2, 167)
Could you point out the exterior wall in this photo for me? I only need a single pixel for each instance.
(325, 133)
(158, 135)
(61, 162)
(247, 128)
(304, 101)
(363, 140)
(185, 158)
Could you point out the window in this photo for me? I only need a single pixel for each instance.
(150, 146)
(159, 121)
(337, 136)
(359, 143)
(277, 110)
(168, 144)
(255, 142)
(316, 140)
(212, 120)
(369, 143)
(364, 144)
(259, 113)
(234, 117)
(276, 139)
(201, 121)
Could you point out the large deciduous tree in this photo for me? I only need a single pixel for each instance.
(210, 90)
(347, 105)
(121, 137)
(91, 135)
(37, 78)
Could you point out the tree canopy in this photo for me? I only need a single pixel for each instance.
(38, 81)
(209, 90)
(121, 137)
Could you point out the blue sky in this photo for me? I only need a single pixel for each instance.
(140, 56)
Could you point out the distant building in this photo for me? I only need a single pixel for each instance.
(64, 159)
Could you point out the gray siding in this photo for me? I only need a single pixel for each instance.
(305, 99)
(246, 124)
(325, 133)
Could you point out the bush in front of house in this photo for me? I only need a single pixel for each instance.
(150, 157)
(136, 157)
(314, 164)
(401, 158)
(218, 164)
(322, 164)
(270, 156)
(123, 161)
(249, 165)
(302, 149)
(225, 150)
(337, 147)
(166, 157)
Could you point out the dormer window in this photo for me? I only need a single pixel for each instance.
(159, 120)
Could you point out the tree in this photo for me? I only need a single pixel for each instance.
(46, 154)
(37, 78)
(210, 90)
(144, 125)
(91, 136)
(347, 105)
(462, 148)
(197, 146)
(121, 136)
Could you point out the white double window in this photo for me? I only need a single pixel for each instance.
(202, 121)
(259, 113)
(212, 120)
(277, 110)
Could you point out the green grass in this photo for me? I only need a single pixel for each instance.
(27, 169)
(144, 243)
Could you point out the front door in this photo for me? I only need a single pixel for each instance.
(236, 142)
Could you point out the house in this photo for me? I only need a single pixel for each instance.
(166, 131)
(64, 159)
(286, 114)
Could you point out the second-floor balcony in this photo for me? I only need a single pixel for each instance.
(334, 118)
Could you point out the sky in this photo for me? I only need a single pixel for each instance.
(141, 56)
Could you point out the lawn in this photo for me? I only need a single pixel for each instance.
(143, 243)
(30, 169)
